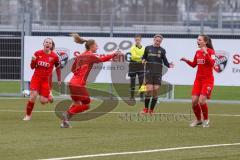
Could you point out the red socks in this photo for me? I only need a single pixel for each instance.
(74, 109)
(197, 111)
(201, 108)
(204, 108)
(29, 108)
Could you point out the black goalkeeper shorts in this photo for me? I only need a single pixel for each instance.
(154, 79)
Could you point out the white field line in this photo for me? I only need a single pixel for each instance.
(221, 115)
(161, 100)
(143, 151)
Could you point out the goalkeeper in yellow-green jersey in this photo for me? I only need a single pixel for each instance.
(136, 67)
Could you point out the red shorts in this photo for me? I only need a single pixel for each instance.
(41, 85)
(203, 86)
(79, 93)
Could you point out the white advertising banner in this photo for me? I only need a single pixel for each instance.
(227, 69)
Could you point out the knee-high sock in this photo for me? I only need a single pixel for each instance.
(29, 108)
(132, 86)
(140, 80)
(147, 101)
(153, 102)
(204, 108)
(197, 111)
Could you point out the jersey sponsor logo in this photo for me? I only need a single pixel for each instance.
(43, 64)
(63, 54)
(200, 61)
(152, 54)
(221, 59)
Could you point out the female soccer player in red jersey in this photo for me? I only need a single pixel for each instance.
(81, 67)
(43, 62)
(203, 84)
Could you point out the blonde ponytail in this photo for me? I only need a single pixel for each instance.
(77, 38)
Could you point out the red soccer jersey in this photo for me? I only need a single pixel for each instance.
(83, 65)
(205, 63)
(44, 63)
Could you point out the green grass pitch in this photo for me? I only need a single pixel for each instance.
(43, 138)
(180, 92)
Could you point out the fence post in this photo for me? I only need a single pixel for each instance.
(28, 17)
(232, 22)
(173, 92)
(59, 14)
(220, 7)
(111, 35)
(202, 25)
(22, 50)
(188, 15)
(144, 19)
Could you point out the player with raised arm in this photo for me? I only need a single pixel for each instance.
(204, 81)
(43, 62)
(81, 67)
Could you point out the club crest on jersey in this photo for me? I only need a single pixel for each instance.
(221, 59)
(63, 56)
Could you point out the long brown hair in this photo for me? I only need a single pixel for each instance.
(208, 41)
(53, 43)
(80, 40)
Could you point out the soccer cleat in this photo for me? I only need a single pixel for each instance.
(27, 118)
(65, 123)
(195, 123)
(144, 111)
(206, 123)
